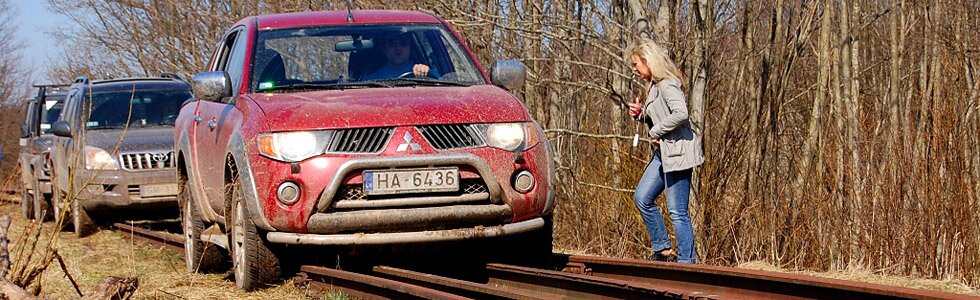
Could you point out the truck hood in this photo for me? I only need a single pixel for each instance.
(153, 139)
(399, 106)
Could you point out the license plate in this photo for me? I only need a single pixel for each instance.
(382, 182)
(154, 190)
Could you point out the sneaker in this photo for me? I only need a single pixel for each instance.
(659, 256)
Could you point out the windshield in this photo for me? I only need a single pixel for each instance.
(359, 56)
(142, 108)
(50, 113)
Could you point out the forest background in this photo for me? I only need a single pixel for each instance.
(838, 135)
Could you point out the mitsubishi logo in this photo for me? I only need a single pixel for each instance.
(408, 143)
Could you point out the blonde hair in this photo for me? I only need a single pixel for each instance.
(657, 60)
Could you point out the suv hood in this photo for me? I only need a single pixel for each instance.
(398, 106)
(154, 139)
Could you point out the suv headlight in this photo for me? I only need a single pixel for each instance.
(511, 136)
(98, 159)
(293, 146)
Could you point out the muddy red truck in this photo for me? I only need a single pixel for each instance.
(355, 128)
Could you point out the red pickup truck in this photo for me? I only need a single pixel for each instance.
(355, 128)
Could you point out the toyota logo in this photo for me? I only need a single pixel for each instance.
(160, 157)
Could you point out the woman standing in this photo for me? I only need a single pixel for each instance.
(677, 152)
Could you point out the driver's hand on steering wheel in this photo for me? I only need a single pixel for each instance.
(420, 70)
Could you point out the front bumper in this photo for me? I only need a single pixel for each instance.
(118, 189)
(477, 232)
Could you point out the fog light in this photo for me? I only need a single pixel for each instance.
(524, 181)
(288, 193)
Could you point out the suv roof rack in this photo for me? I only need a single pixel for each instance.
(49, 89)
(51, 85)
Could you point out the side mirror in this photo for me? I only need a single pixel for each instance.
(25, 131)
(211, 86)
(61, 128)
(508, 74)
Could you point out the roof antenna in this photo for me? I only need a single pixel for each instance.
(350, 15)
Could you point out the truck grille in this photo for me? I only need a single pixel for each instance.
(147, 160)
(359, 140)
(453, 136)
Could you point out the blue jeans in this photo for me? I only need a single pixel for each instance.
(678, 186)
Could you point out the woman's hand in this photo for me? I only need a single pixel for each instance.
(655, 142)
(636, 108)
(420, 70)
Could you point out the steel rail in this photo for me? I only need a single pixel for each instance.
(740, 283)
(570, 285)
(323, 280)
(456, 286)
(584, 277)
(169, 241)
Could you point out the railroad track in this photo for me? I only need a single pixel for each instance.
(166, 240)
(578, 276)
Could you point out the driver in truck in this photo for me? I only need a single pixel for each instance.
(397, 51)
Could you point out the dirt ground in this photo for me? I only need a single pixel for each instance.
(161, 272)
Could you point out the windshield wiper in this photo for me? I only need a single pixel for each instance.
(98, 127)
(326, 86)
(423, 81)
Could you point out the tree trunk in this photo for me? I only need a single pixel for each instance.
(113, 288)
(665, 18)
(850, 18)
(813, 133)
(11, 291)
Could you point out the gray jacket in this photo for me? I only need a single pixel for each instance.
(665, 113)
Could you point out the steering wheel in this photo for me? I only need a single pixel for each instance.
(411, 74)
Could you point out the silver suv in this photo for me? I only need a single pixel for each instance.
(114, 150)
(35, 147)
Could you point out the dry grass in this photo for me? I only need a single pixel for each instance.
(862, 275)
(161, 272)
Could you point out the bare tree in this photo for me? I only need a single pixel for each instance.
(14, 75)
(838, 133)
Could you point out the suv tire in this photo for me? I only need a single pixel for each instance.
(27, 204)
(200, 256)
(84, 226)
(42, 203)
(57, 199)
(255, 264)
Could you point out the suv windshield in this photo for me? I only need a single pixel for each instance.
(49, 114)
(359, 56)
(142, 108)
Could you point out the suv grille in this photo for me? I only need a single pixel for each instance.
(359, 140)
(147, 160)
(453, 136)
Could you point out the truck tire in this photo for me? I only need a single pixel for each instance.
(255, 265)
(532, 248)
(199, 256)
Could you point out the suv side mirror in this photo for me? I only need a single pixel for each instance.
(61, 128)
(508, 74)
(25, 131)
(211, 86)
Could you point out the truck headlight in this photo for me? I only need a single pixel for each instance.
(293, 146)
(511, 136)
(98, 159)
